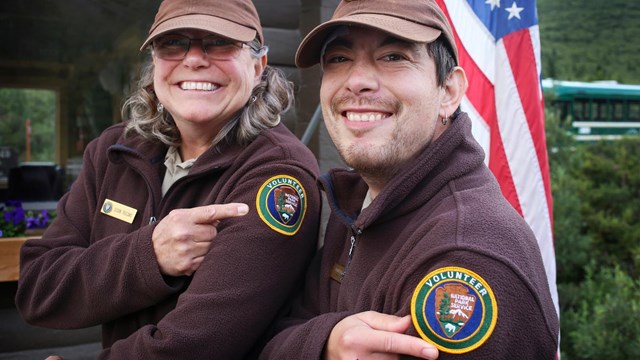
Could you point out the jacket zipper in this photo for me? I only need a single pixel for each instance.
(152, 218)
(352, 248)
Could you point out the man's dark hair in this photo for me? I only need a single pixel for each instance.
(440, 51)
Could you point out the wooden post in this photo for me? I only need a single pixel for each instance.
(27, 156)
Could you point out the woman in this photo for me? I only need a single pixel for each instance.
(132, 247)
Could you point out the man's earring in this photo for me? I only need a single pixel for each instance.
(445, 120)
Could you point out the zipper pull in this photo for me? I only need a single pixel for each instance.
(349, 256)
(356, 232)
(152, 220)
(353, 245)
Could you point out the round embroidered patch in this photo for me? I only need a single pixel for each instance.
(454, 309)
(282, 203)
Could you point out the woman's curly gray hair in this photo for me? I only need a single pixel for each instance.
(270, 98)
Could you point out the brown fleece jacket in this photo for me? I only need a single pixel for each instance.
(444, 210)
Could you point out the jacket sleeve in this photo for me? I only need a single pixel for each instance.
(526, 326)
(523, 328)
(67, 281)
(246, 278)
(303, 333)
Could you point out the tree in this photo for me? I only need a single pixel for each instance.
(18, 105)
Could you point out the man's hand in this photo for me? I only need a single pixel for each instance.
(182, 239)
(372, 335)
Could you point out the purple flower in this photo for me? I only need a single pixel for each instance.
(14, 219)
(15, 216)
(40, 221)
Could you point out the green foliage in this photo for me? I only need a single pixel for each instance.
(572, 245)
(596, 204)
(612, 206)
(18, 105)
(603, 323)
(590, 39)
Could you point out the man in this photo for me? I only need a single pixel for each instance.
(419, 226)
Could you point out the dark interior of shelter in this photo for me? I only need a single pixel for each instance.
(87, 53)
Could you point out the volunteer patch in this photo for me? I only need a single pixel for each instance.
(454, 309)
(282, 203)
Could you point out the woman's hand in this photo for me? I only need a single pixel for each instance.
(182, 239)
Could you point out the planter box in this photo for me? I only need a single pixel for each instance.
(10, 257)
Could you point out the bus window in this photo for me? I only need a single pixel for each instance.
(618, 110)
(565, 107)
(581, 109)
(601, 108)
(634, 110)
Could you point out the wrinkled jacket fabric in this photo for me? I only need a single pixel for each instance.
(444, 209)
(90, 268)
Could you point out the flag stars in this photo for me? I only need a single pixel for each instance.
(514, 11)
(493, 3)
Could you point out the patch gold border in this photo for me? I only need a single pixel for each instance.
(420, 297)
(284, 229)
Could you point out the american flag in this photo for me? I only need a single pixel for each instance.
(499, 48)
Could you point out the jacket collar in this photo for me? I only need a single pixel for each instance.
(136, 149)
(452, 155)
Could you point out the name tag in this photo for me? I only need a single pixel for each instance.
(118, 211)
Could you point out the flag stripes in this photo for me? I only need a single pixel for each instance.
(500, 53)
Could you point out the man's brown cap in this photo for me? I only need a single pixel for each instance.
(420, 21)
(234, 19)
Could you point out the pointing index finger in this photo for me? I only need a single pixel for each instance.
(216, 212)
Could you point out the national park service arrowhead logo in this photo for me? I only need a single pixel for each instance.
(454, 309)
(282, 203)
(454, 306)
